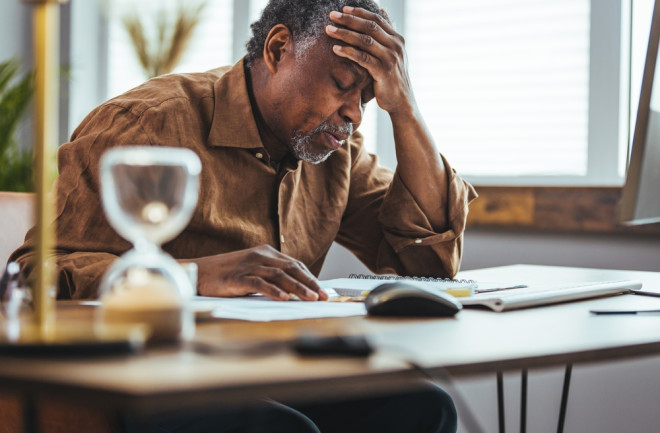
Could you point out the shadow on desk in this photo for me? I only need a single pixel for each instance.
(54, 417)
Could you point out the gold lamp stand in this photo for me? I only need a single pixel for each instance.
(43, 335)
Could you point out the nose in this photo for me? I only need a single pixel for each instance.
(352, 109)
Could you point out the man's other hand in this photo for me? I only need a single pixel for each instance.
(260, 269)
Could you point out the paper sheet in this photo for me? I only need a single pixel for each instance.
(262, 309)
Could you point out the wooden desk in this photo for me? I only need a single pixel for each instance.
(476, 341)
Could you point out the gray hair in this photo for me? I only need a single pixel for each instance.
(306, 19)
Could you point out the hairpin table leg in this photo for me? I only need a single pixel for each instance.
(523, 400)
(564, 398)
(500, 401)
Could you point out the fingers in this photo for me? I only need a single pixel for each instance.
(372, 42)
(367, 27)
(289, 277)
(364, 34)
(260, 269)
(267, 271)
(364, 17)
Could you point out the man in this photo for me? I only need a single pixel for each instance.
(284, 175)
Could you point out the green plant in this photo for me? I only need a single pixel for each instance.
(15, 96)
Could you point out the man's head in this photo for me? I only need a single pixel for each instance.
(306, 19)
(310, 98)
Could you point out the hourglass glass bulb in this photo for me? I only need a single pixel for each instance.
(149, 195)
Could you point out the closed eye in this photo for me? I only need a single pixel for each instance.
(340, 86)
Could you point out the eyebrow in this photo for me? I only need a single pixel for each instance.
(358, 71)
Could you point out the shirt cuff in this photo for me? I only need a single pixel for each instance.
(405, 224)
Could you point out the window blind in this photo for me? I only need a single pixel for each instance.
(503, 85)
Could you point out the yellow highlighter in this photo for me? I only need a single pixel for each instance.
(460, 292)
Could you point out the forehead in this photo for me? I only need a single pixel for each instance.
(320, 55)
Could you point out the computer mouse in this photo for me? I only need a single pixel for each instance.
(407, 300)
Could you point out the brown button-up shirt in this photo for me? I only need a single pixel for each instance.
(244, 201)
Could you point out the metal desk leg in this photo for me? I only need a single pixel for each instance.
(500, 401)
(523, 400)
(564, 398)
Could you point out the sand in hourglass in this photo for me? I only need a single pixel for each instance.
(151, 300)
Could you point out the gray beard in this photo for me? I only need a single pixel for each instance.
(300, 142)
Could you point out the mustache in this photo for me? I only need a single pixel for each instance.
(342, 130)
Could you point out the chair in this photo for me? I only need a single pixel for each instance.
(16, 218)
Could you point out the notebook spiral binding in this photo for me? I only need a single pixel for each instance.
(399, 277)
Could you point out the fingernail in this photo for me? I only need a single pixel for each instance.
(331, 28)
(335, 14)
(337, 47)
(349, 8)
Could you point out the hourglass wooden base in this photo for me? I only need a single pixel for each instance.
(70, 339)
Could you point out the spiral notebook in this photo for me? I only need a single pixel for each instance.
(359, 285)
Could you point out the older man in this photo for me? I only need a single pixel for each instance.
(284, 175)
(284, 172)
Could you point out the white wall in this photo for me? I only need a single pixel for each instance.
(486, 248)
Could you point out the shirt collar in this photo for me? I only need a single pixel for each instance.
(233, 122)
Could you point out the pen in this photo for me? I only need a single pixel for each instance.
(644, 293)
(603, 312)
(499, 289)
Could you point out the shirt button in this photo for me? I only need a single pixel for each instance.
(282, 238)
(418, 241)
(259, 155)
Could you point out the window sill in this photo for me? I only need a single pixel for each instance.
(552, 209)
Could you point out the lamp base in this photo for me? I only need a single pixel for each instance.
(71, 339)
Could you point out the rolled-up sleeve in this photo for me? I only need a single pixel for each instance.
(384, 218)
(86, 244)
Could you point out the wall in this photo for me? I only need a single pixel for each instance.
(14, 30)
(16, 43)
(486, 248)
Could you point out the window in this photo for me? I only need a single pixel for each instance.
(515, 92)
(520, 91)
(504, 91)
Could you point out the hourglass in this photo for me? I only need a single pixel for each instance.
(149, 194)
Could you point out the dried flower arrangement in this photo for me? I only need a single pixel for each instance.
(160, 56)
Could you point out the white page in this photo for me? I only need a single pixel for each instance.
(263, 309)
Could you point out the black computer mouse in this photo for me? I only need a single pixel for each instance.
(407, 300)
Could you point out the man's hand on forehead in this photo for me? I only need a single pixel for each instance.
(373, 43)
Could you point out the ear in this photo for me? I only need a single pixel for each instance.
(278, 44)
